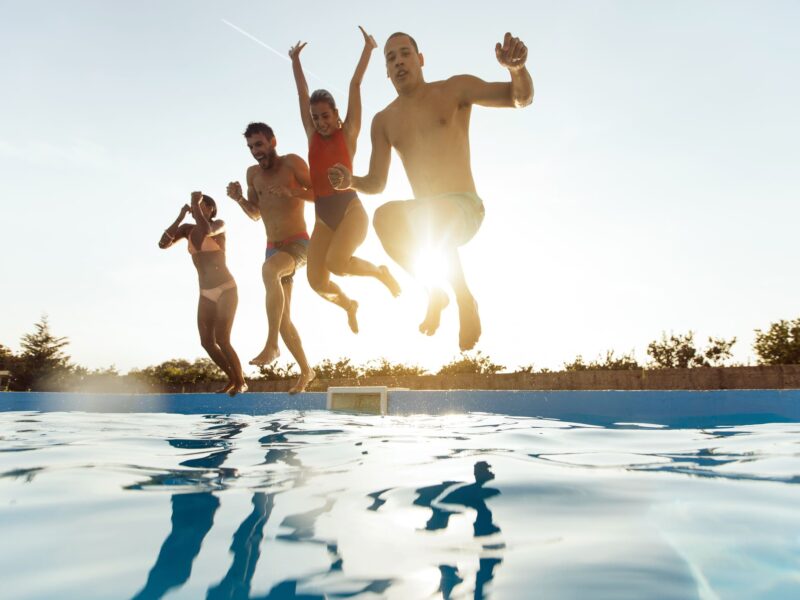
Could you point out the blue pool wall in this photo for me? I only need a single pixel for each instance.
(678, 408)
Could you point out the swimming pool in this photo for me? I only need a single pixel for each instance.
(312, 504)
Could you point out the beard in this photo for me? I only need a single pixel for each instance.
(268, 160)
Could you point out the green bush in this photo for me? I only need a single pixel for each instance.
(780, 344)
(475, 363)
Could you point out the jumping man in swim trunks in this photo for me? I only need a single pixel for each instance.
(428, 126)
(276, 190)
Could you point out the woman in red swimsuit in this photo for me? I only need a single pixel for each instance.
(218, 295)
(341, 224)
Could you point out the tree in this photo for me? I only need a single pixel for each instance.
(42, 363)
(610, 363)
(467, 363)
(382, 367)
(780, 344)
(6, 358)
(679, 352)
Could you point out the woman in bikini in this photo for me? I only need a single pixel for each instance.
(341, 224)
(218, 295)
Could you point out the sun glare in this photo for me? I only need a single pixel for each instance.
(431, 268)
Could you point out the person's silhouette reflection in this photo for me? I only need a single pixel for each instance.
(192, 513)
(192, 518)
(448, 493)
(443, 499)
(246, 548)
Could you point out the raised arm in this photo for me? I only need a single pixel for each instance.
(302, 88)
(204, 227)
(175, 231)
(352, 122)
(511, 54)
(375, 180)
(250, 204)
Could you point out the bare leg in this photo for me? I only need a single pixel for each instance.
(292, 340)
(437, 302)
(405, 227)
(206, 317)
(226, 310)
(469, 331)
(320, 278)
(345, 240)
(277, 266)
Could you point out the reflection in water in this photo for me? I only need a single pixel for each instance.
(443, 499)
(440, 497)
(192, 513)
(246, 548)
(192, 518)
(302, 525)
(623, 506)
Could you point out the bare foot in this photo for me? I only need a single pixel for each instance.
(268, 354)
(388, 280)
(226, 388)
(302, 382)
(470, 323)
(351, 316)
(239, 388)
(437, 302)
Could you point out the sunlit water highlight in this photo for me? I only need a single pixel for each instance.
(320, 505)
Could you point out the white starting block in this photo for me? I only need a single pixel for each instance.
(364, 399)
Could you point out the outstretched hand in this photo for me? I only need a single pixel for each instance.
(340, 177)
(234, 190)
(196, 197)
(512, 54)
(294, 51)
(369, 41)
(185, 210)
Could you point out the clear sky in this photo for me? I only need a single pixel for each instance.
(652, 185)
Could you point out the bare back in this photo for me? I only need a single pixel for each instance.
(282, 216)
(430, 132)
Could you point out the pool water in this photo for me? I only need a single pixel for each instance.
(320, 505)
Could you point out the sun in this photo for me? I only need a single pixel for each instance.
(431, 268)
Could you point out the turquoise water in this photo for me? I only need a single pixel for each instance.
(320, 505)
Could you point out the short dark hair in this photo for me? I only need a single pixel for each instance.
(322, 96)
(254, 128)
(400, 33)
(210, 201)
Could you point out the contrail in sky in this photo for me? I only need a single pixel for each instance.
(271, 49)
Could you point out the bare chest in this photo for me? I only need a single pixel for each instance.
(267, 182)
(427, 123)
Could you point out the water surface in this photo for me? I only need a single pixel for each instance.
(320, 505)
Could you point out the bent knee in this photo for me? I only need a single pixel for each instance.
(337, 265)
(389, 218)
(271, 274)
(382, 217)
(318, 283)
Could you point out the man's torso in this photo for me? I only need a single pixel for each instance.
(282, 217)
(430, 132)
